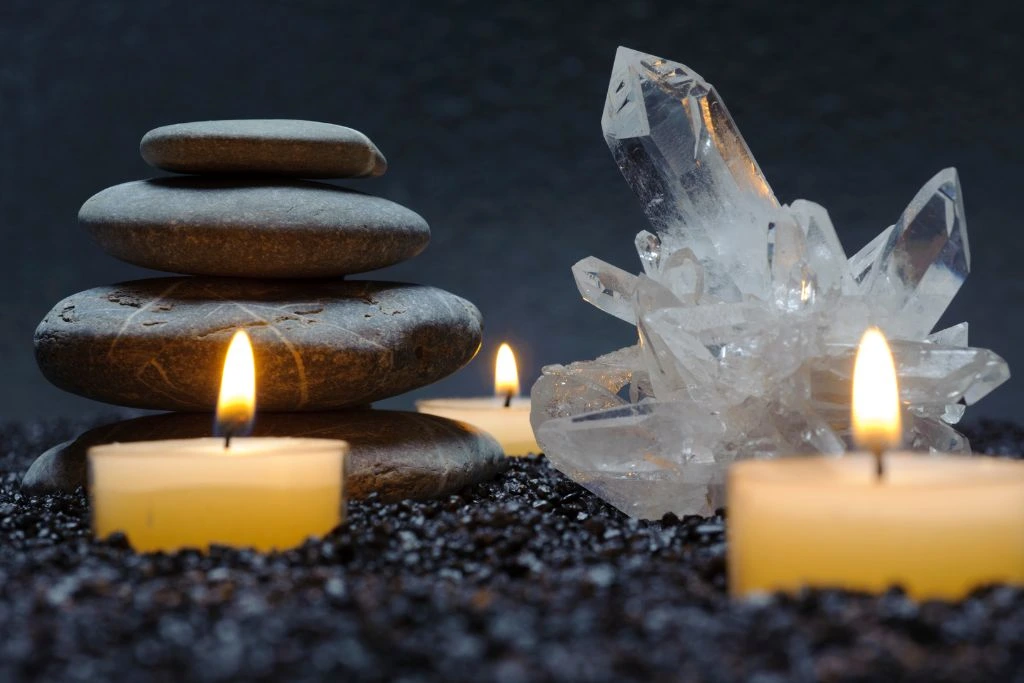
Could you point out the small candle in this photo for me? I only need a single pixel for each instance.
(939, 526)
(265, 493)
(506, 416)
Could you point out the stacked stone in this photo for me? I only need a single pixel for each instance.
(267, 250)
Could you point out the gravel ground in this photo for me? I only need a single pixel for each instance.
(526, 578)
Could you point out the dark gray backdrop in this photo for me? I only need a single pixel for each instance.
(489, 114)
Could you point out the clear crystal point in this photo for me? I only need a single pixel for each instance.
(924, 261)
(825, 257)
(862, 264)
(648, 247)
(951, 336)
(609, 288)
(748, 314)
(678, 148)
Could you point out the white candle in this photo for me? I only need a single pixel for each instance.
(939, 526)
(505, 416)
(266, 493)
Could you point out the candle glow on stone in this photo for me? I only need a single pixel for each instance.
(505, 416)
(265, 493)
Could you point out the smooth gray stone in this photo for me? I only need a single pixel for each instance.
(284, 147)
(248, 228)
(397, 455)
(319, 345)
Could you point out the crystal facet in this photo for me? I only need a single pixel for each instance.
(607, 287)
(920, 267)
(748, 313)
(680, 151)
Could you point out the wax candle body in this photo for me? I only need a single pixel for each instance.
(510, 426)
(939, 526)
(266, 493)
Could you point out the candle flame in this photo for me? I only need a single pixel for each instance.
(876, 396)
(506, 374)
(236, 405)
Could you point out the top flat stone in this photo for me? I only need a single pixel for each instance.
(283, 147)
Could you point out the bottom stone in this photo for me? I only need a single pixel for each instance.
(397, 455)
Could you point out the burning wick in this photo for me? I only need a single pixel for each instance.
(876, 398)
(236, 405)
(506, 375)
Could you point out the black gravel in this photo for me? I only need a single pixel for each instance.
(526, 578)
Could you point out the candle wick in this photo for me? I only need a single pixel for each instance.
(508, 399)
(879, 463)
(227, 440)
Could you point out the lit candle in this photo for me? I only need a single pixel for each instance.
(939, 526)
(506, 416)
(266, 493)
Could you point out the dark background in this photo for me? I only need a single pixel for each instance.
(489, 115)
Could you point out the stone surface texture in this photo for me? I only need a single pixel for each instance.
(396, 455)
(282, 147)
(252, 228)
(319, 345)
(748, 313)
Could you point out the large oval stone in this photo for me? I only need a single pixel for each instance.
(285, 229)
(284, 147)
(319, 345)
(394, 454)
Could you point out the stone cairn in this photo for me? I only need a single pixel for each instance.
(267, 250)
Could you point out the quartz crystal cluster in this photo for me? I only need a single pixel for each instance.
(748, 313)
